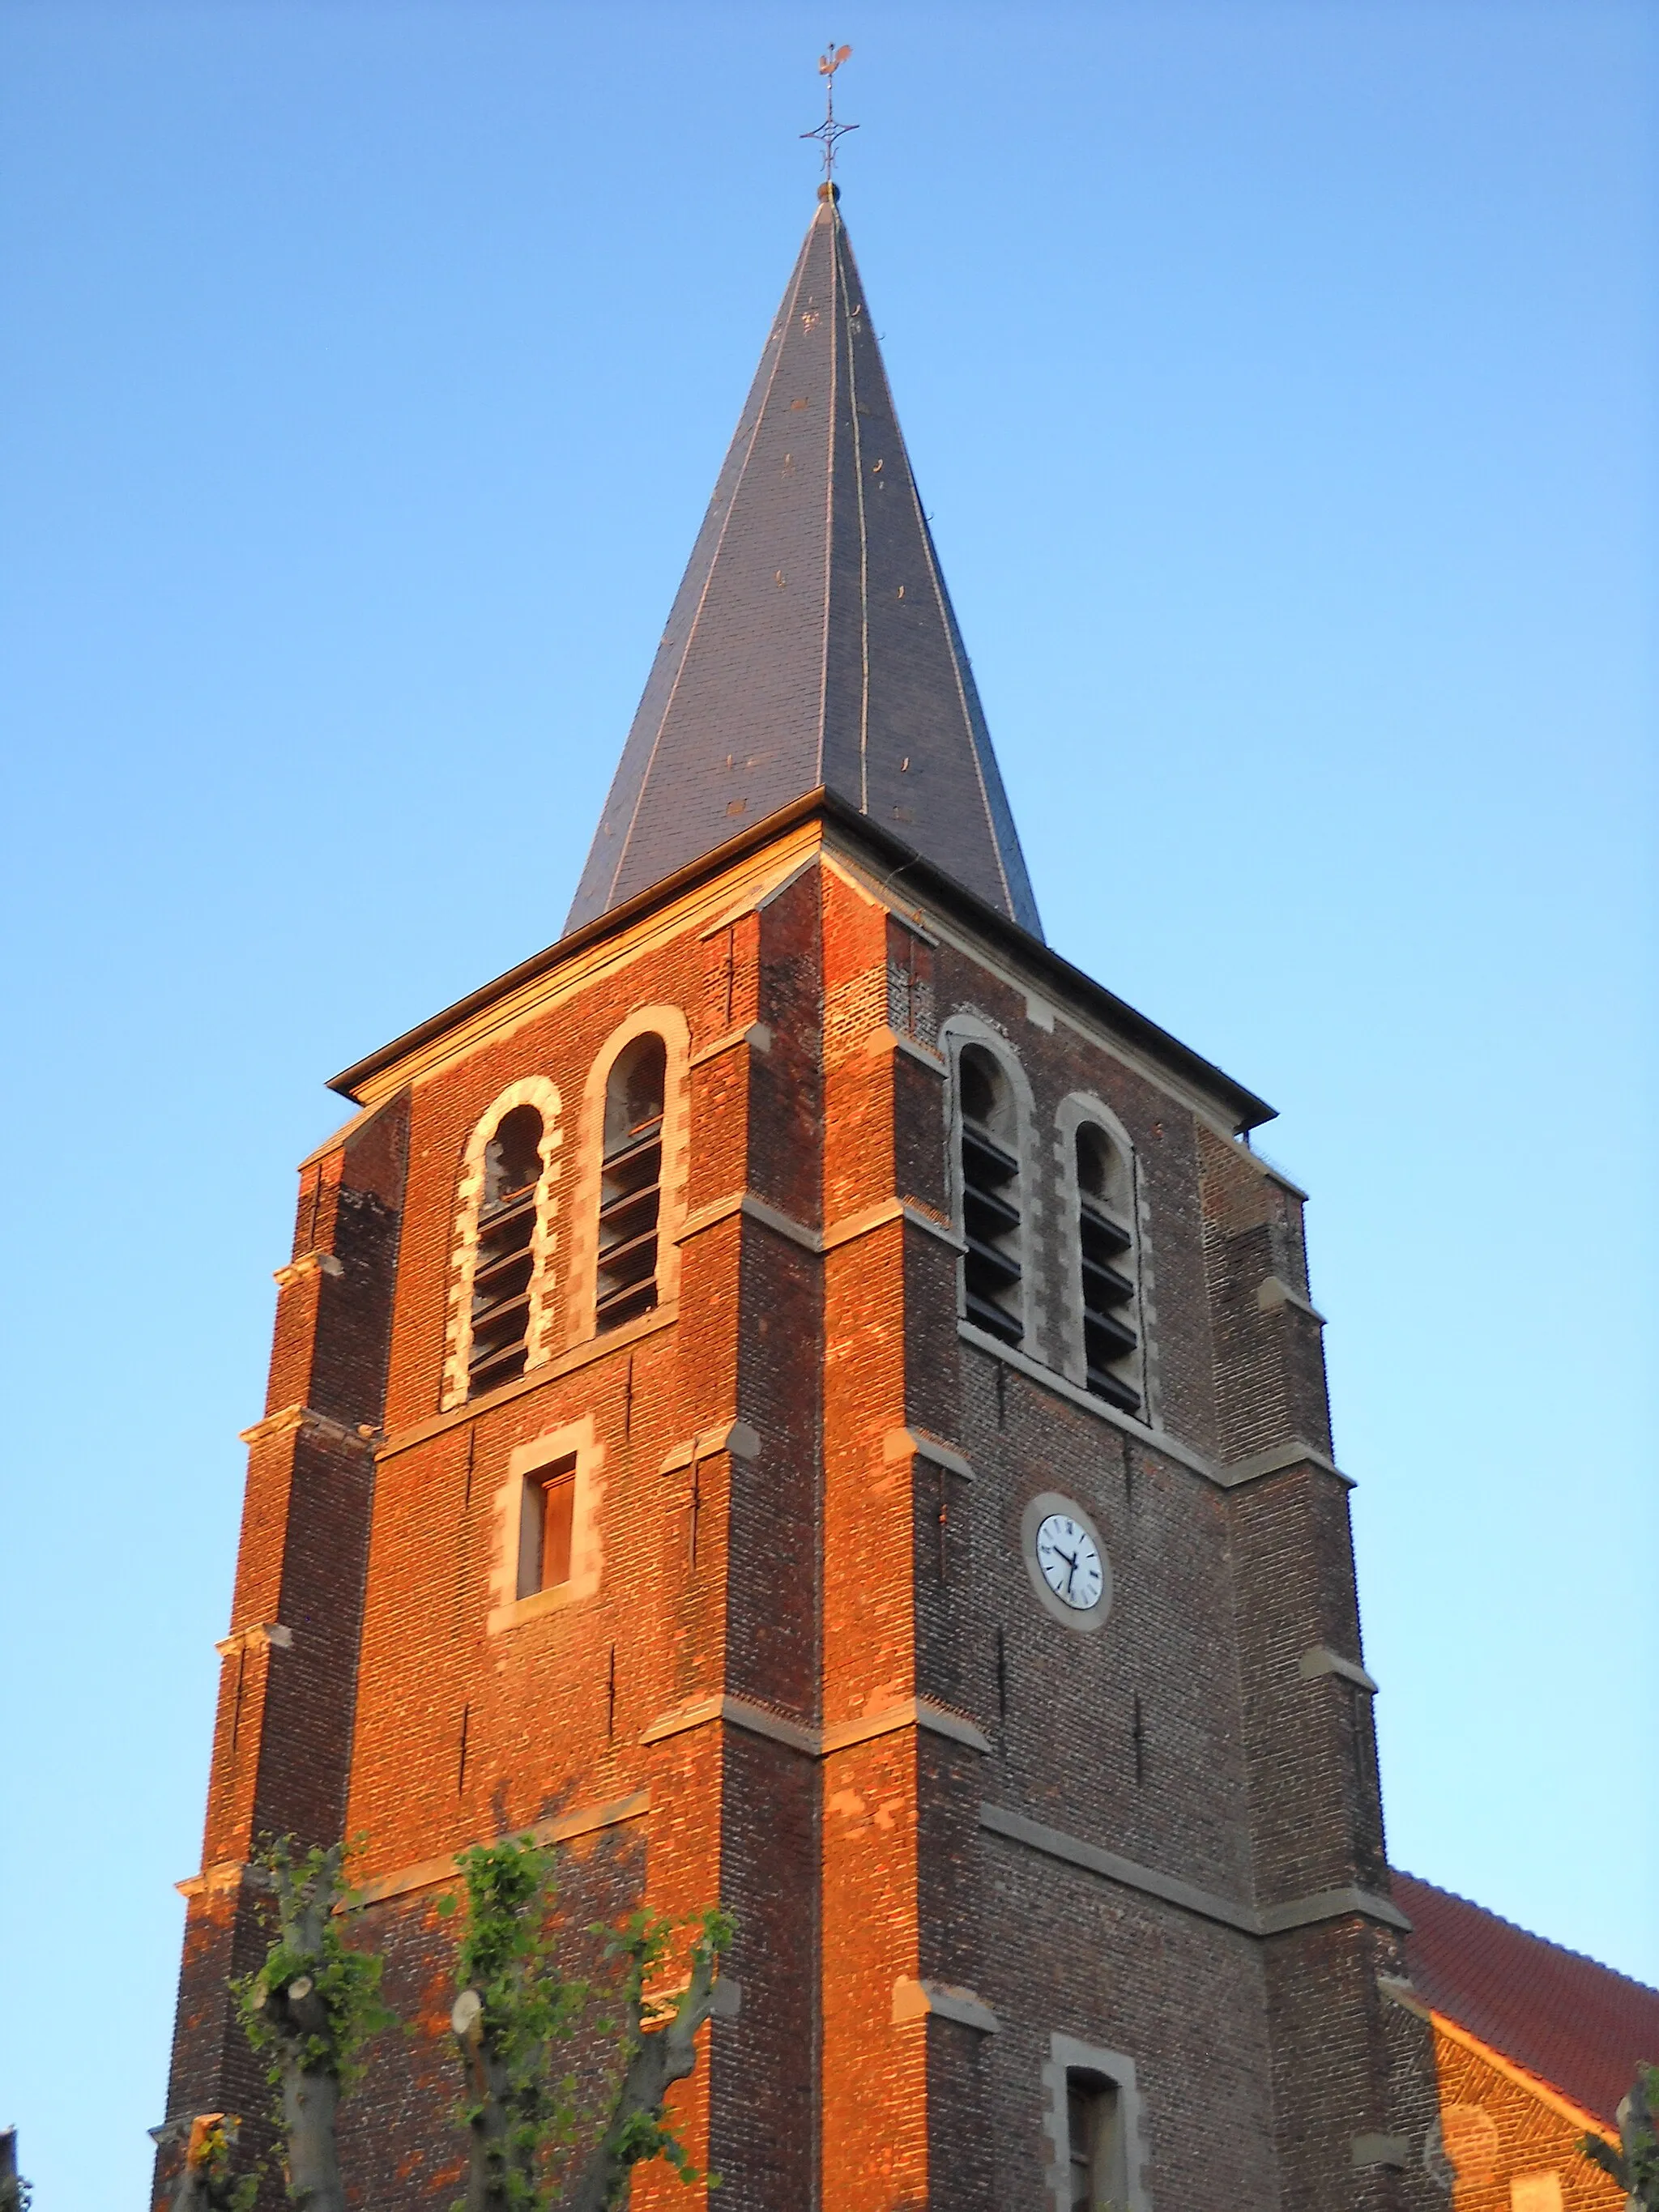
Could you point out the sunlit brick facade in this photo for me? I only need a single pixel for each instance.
(1044, 1901)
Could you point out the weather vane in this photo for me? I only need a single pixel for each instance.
(830, 130)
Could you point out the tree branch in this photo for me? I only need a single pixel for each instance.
(659, 2057)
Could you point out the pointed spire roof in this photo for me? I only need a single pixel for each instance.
(812, 644)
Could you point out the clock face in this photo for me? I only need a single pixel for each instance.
(1068, 1561)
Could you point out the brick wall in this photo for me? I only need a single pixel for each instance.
(287, 1680)
(1498, 2130)
(953, 1828)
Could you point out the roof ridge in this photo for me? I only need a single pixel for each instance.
(1562, 1950)
(791, 295)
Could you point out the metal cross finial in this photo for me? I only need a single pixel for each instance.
(830, 130)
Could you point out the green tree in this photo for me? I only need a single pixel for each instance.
(658, 2049)
(1635, 2165)
(516, 2007)
(311, 2006)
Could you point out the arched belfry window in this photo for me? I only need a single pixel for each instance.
(506, 1257)
(630, 1184)
(502, 1273)
(991, 1218)
(1106, 1246)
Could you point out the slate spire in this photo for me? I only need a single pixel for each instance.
(812, 642)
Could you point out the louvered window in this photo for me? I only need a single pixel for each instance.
(630, 1189)
(990, 1196)
(505, 1258)
(1111, 1342)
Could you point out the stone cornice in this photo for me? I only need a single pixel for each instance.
(1275, 1292)
(426, 1874)
(304, 1265)
(918, 1999)
(735, 1712)
(1319, 1659)
(1274, 1461)
(259, 1636)
(756, 1035)
(817, 1743)
(288, 1420)
(736, 1438)
(844, 1231)
(917, 1443)
(1189, 1897)
(562, 1363)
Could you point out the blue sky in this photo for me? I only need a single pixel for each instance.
(1279, 379)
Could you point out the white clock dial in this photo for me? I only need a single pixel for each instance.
(1069, 1562)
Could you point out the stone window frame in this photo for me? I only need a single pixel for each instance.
(962, 1029)
(572, 1440)
(668, 1022)
(1067, 2055)
(1074, 1110)
(543, 1093)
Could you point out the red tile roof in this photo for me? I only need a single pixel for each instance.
(1577, 2025)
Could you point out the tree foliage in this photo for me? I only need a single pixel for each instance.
(314, 2003)
(311, 2008)
(210, 2181)
(1635, 2165)
(515, 2009)
(659, 2047)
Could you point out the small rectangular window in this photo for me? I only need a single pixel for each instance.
(547, 1516)
(1094, 2120)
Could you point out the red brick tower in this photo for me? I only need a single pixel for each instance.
(801, 1393)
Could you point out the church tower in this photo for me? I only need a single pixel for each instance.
(803, 1396)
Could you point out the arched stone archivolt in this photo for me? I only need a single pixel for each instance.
(1081, 1111)
(669, 1023)
(960, 1031)
(541, 1092)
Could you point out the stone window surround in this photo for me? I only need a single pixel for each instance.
(574, 1439)
(1074, 1110)
(669, 1023)
(964, 1028)
(541, 1092)
(1066, 2055)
